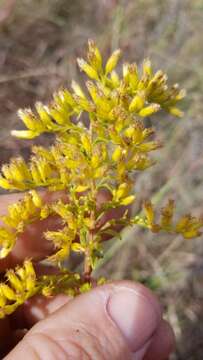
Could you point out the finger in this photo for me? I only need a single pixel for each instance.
(31, 244)
(163, 343)
(38, 308)
(5, 334)
(110, 322)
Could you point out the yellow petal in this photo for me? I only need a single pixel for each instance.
(128, 200)
(89, 70)
(24, 134)
(112, 61)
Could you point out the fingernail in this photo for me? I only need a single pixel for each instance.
(135, 315)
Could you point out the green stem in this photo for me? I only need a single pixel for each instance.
(87, 260)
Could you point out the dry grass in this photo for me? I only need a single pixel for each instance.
(39, 41)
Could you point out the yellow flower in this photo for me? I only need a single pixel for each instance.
(112, 61)
(101, 143)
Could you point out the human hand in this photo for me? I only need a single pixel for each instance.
(121, 320)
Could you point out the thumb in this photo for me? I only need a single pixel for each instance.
(113, 321)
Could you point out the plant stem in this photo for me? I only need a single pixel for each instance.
(87, 266)
(87, 260)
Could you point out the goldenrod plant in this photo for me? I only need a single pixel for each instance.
(101, 145)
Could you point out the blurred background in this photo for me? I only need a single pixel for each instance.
(39, 43)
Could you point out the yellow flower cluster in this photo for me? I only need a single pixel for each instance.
(20, 285)
(188, 226)
(23, 283)
(101, 143)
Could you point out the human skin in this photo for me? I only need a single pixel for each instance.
(121, 320)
